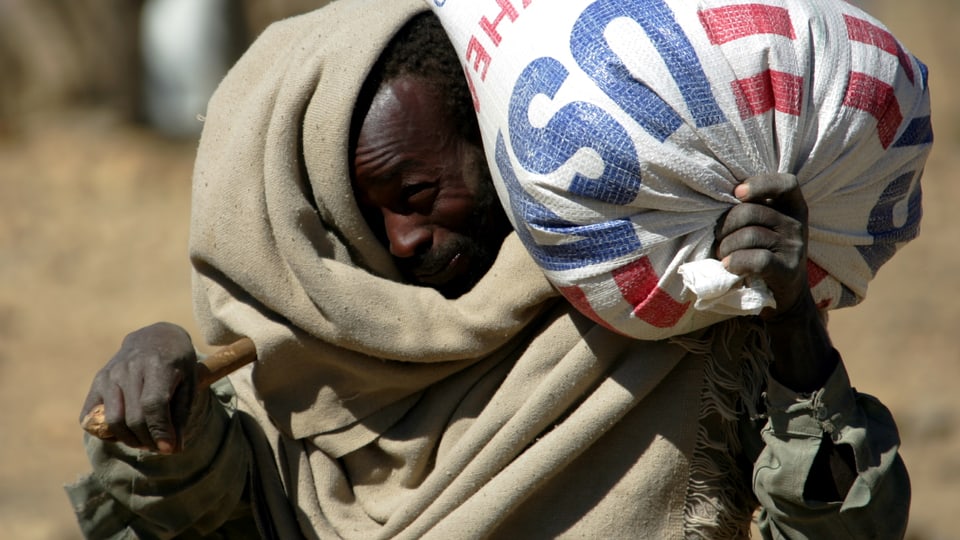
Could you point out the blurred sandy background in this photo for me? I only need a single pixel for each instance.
(94, 210)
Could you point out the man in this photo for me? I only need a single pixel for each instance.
(418, 376)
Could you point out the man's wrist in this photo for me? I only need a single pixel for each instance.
(803, 354)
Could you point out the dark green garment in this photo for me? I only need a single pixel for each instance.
(877, 503)
(206, 491)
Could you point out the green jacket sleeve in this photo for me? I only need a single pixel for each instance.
(877, 503)
(192, 494)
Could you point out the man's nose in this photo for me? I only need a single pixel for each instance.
(408, 234)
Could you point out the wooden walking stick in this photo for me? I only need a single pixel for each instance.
(222, 362)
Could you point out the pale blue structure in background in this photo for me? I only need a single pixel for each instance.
(187, 48)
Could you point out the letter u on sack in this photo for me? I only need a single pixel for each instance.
(616, 131)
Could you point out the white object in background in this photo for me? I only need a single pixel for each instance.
(187, 48)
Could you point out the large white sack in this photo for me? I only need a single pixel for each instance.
(616, 131)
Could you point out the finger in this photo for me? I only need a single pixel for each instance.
(779, 191)
(750, 262)
(157, 395)
(766, 186)
(781, 272)
(136, 417)
(752, 215)
(114, 415)
(183, 401)
(93, 398)
(748, 238)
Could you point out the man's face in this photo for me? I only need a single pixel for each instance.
(425, 189)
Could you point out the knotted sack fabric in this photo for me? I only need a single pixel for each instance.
(616, 131)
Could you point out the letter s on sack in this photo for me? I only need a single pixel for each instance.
(575, 126)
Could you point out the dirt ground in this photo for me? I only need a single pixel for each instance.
(93, 230)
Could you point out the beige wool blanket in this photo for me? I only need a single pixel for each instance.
(383, 409)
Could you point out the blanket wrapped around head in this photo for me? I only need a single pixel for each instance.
(617, 131)
(283, 255)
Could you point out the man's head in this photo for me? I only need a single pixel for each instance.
(419, 172)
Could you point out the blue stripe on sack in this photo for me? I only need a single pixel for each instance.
(847, 297)
(885, 234)
(919, 131)
(598, 242)
(595, 57)
(924, 72)
(575, 126)
(601, 64)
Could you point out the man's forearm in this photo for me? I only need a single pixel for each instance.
(803, 356)
(803, 361)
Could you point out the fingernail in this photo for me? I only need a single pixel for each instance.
(164, 447)
(741, 191)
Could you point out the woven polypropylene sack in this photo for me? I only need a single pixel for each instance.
(616, 131)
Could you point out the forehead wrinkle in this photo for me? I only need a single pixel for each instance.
(379, 152)
(378, 163)
(401, 135)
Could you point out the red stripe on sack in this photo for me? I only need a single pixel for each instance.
(578, 299)
(815, 273)
(767, 90)
(651, 304)
(729, 23)
(877, 98)
(871, 34)
(815, 276)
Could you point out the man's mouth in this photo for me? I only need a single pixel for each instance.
(442, 274)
